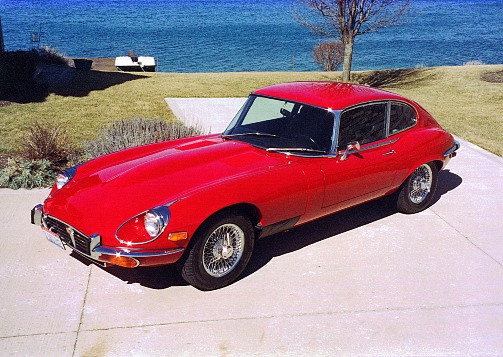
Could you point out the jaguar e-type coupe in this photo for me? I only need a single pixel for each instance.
(293, 153)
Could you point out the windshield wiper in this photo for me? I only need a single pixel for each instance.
(252, 134)
(297, 149)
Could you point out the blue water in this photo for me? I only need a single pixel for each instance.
(249, 35)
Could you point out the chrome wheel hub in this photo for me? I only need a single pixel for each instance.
(223, 250)
(420, 183)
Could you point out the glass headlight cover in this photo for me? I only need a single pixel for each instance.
(145, 227)
(65, 176)
(154, 223)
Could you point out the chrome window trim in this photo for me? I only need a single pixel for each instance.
(335, 134)
(369, 146)
(389, 103)
(356, 106)
(388, 119)
(399, 102)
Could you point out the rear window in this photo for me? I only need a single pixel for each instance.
(402, 116)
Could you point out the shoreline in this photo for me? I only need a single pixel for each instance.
(108, 64)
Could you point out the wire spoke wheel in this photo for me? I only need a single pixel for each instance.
(416, 193)
(420, 183)
(223, 250)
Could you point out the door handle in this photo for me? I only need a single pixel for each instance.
(391, 152)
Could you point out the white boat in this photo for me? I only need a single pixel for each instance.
(135, 64)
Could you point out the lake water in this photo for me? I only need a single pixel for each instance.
(248, 35)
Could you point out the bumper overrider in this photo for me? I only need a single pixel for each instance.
(452, 152)
(91, 247)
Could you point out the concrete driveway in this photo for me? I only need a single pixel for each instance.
(213, 115)
(366, 281)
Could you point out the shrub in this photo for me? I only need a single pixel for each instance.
(27, 174)
(49, 55)
(128, 133)
(329, 55)
(46, 142)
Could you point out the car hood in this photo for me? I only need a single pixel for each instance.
(110, 190)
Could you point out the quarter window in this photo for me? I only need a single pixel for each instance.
(401, 117)
(363, 124)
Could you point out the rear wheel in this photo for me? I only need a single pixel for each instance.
(418, 190)
(222, 250)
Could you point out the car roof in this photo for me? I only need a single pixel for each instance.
(333, 95)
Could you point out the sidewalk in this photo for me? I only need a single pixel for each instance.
(366, 281)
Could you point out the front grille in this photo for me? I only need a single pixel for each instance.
(82, 242)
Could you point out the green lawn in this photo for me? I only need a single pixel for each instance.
(458, 97)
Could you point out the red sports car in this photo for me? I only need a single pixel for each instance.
(293, 153)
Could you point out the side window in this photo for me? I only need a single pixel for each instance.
(363, 124)
(401, 117)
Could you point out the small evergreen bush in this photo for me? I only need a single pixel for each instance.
(27, 174)
(129, 133)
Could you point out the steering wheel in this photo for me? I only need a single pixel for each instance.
(309, 139)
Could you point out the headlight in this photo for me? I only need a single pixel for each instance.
(65, 176)
(144, 227)
(61, 180)
(154, 223)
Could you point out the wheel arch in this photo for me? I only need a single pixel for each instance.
(438, 164)
(246, 209)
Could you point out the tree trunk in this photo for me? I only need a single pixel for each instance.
(2, 48)
(348, 58)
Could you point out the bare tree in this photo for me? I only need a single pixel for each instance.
(346, 19)
(329, 55)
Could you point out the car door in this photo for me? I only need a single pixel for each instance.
(360, 174)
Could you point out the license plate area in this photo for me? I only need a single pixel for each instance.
(53, 238)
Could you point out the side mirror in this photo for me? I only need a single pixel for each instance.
(352, 147)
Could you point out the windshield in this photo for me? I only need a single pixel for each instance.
(279, 125)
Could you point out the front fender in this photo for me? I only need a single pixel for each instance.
(278, 195)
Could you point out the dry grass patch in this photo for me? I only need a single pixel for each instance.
(463, 103)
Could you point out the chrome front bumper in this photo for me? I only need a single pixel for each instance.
(92, 248)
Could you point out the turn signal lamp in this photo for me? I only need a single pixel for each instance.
(174, 237)
(126, 262)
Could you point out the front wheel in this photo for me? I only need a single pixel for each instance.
(418, 190)
(222, 250)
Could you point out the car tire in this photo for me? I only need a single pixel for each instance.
(223, 246)
(417, 192)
